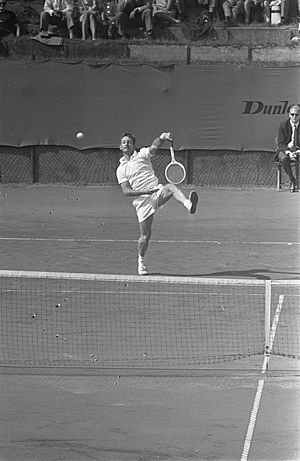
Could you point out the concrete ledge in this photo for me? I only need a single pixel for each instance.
(264, 36)
(27, 49)
(221, 54)
(32, 50)
(96, 50)
(159, 53)
(290, 54)
(108, 51)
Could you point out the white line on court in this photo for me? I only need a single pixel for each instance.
(122, 292)
(213, 242)
(261, 383)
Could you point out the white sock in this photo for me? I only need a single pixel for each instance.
(187, 204)
(141, 259)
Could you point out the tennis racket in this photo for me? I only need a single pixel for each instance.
(175, 172)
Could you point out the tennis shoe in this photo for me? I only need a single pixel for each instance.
(193, 198)
(142, 268)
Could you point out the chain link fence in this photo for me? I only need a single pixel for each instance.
(66, 165)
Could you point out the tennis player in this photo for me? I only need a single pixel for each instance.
(136, 176)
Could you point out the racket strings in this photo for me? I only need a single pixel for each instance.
(175, 173)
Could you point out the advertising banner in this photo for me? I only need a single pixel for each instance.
(217, 107)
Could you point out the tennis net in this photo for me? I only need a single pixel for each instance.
(110, 321)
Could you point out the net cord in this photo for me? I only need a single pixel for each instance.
(143, 279)
(136, 278)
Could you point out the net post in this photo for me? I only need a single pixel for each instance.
(268, 290)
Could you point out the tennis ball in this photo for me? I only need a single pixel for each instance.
(80, 135)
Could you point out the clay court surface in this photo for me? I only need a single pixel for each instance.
(235, 233)
(202, 415)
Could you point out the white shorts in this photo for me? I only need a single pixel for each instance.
(146, 205)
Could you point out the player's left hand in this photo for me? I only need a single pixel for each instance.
(293, 155)
(167, 136)
(152, 191)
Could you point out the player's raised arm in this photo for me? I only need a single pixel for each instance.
(158, 142)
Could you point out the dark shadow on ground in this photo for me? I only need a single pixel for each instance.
(259, 274)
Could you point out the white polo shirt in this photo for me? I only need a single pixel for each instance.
(138, 171)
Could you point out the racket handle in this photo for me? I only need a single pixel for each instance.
(172, 150)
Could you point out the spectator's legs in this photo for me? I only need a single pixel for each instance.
(227, 10)
(267, 11)
(237, 10)
(285, 10)
(147, 19)
(144, 19)
(212, 9)
(84, 25)
(70, 24)
(247, 8)
(284, 159)
(45, 20)
(171, 6)
(167, 16)
(93, 26)
(172, 11)
(298, 16)
(180, 5)
(122, 23)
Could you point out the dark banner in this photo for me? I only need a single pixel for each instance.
(220, 107)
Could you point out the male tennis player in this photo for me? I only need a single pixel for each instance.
(136, 176)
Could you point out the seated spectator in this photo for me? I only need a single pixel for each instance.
(134, 13)
(253, 6)
(165, 11)
(90, 17)
(284, 8)
(233, 10)
(8, 21)
(289, 143)
(210, 6)
(110, 11)
(58, 13)
(181, 8)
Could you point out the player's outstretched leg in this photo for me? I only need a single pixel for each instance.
(170, 190)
